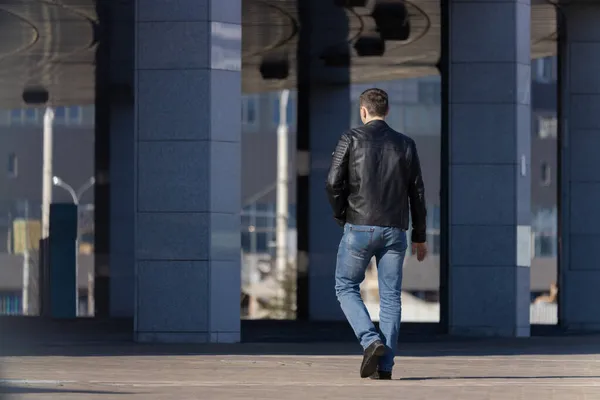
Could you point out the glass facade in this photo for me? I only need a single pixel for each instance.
(416, 109)
(72, 167)
(544, 192)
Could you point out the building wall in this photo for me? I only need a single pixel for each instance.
(21, 144)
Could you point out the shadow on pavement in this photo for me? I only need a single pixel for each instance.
(9, 389)
(468, 378)
(105, 338)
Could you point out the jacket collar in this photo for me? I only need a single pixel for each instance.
(377, 123)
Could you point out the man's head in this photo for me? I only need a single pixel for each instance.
(373, 105)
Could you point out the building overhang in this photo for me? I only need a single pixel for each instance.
(51, 44)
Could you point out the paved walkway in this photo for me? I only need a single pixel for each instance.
(541, 368)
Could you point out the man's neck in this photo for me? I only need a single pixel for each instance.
(374, 119)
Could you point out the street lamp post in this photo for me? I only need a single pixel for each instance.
(26, 265)
(282, 196)
(76, 195)
(46, 200)
(47, 170)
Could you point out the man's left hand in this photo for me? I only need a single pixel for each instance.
(420, 249)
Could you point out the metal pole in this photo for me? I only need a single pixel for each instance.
(62, 184)
(77, 258)
(90, 297)
(90, 275)
(26, 264)
(81, 191)
(282, 208)
(47, 171)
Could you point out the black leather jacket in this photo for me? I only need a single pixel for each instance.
(374, 174)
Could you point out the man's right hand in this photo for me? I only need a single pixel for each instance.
(420, 249)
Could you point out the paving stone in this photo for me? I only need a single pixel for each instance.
(538, 368)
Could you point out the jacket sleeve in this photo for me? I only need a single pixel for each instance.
(416, 194)
(337, 178)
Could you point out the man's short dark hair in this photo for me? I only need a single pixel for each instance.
(375, 101)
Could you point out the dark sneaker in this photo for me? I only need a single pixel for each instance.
(371, 359)
(381, 376)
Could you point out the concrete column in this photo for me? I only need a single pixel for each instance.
(579, 52)
(121, 211)
(120, 31)
(323, 115)
(102, 166)
(330, 117)
(187, 171)
(489, 174)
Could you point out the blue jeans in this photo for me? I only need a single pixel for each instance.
(358, 245)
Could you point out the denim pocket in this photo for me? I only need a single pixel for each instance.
(359, 239)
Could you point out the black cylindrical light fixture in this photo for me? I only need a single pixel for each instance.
(370, 46)
(351, 3)
(275, 67)
(392, 20)
(35, 95)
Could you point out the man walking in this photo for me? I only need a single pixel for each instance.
(374, 178)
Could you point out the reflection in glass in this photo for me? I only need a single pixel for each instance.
(12, 168)
(414, 110)
(74, 114)
(21, 143)
(251, 111)
(16, 116)
(544, 192)
(31, 116)
(546, 174)
(260, 281)
(290, 111)
(60, 115)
